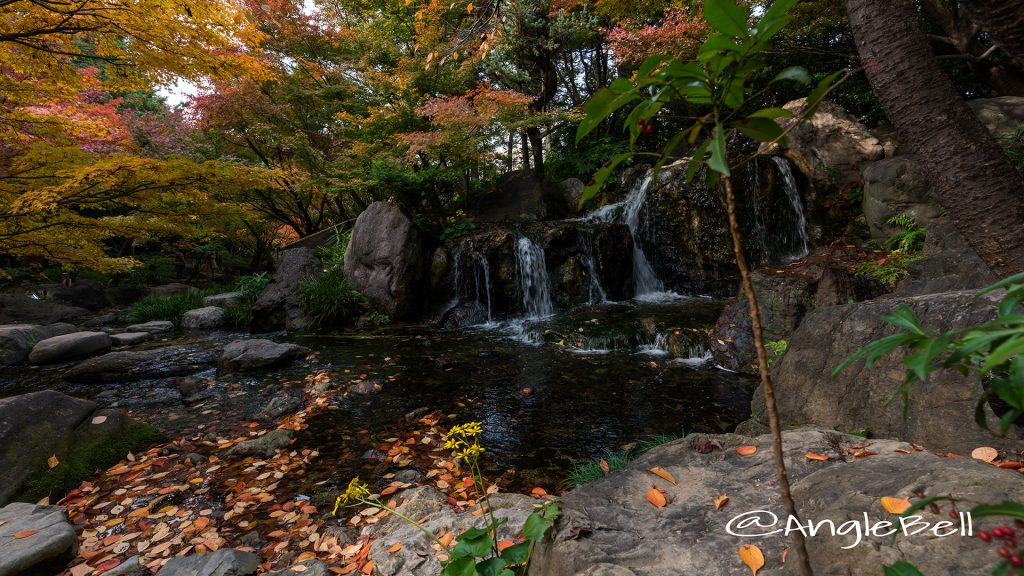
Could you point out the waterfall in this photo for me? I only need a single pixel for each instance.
(647, 285)
(533, 279)
(483, 269)
(802, 246)
(595, 292)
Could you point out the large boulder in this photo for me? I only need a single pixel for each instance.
(68, 347)
(940, 413)
(206, 318)
(26, 309)
(88, 294)
(894, 186)
(17, 340)
(47, 551)
(609, 528)
(132, 366)
(1003, 116)
(279, 306)
(416, 556)
(219, 563)
(520, 196)
(384, 260)
(258, 354)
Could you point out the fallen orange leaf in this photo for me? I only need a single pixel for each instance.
(721, 501)
(367, 568)
(813, 456)
(863, 453)
(52, 461)
(502, 544)
(663, 474)
(895, 506)
(25, 534)
(985, 454)
(656, 497)
(395, 548)
(752, 557)
(603, 464)
(746, 450)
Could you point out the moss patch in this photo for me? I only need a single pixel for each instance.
(84, 455)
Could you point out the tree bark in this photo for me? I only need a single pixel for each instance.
(1004, 21)
(971, 177)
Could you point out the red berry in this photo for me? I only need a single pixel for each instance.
(953, 514)
(1016, 560)
(984, 536)
(1010, 543)
(648, 128)
(997, 531)
(1003, 552)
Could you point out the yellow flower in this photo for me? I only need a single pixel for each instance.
(471, 452)
(355, 493)
(473, 428)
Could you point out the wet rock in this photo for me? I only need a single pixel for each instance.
(940, 414)
(278, 306)
(154, 327)
(45, 552)
(1002, 116)
(68, 347)
(253, 540)
(219, 563)
(23, 309)
(208, 318)
(365, 387)
(103, 320)
(130, 338)
(17, 340)
(192, 389)
(196, 459)
(416, 414)
(463, 315)
(130, 567)
(223, 300)
(87, 294)
(572, 192)
(897, 186)
(265, 446)
(310, 568)
(278, 407)
(384, 260)
(427, 502)
(409, 476)
(608, 526)
(258, 354)
(519, 196)
(132, 366)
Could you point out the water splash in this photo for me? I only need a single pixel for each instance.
(799, 241)
(534, 285)
(595, 292)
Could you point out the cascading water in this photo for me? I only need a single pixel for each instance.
(799, 241)
(647, 285)
(595, 292)
(534, 284)
(483, 269)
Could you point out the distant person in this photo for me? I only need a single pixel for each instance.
(179, 265)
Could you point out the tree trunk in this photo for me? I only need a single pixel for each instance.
(537, 147)
(1004, 21)
(970, 175)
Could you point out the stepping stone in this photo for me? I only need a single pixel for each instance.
(35, 539)
(219, 563)
(68, 347)
(206, 318)
(130, 338)
(154, 327)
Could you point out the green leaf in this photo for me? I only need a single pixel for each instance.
(719, 160)
(536, 526)
(922, 362)
(601, 105)
(697, 160)
(814, 99)
(1016, 278)
(772, 113)
(778, 9)
(491, 567)
(516, 554)
(601, 176)
(726, 17)
(1003, 353)
(761, 129)
(794, 74)
(650, 64)
(715, 44)
(1012, 509)
(474, 547)
(460, 567)
(902, 568)
(875, 350)
(904, 317)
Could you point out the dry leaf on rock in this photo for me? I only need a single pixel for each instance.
(746, 450)
(985, 454)
(656, 496)
(720, 501)
(663, 474)
(895, 506)
(752, 557)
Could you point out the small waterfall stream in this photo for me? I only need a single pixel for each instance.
(534, 284)
(595, 292)
(799, 231)
(647, 285)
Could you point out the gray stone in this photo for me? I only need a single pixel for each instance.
(68, 347)
(153, 327)
(940, 414)
(17, 340)
(279, 306)
(219, 563)
(427, 502)
(24, 309)
(132, 366)
(130, 338)
(192, 388)
(223, 300)
(1002, 116)
(609, 527)
(572, 192)
(365, 387)
(130, 567)
(264, 446)
(409, 476)
(519, 196)
(278, 407)
(45, 552)
(208, 318)
(87, 294)
(897, 186)
(258, 354)
(384, 260)
(310, 568)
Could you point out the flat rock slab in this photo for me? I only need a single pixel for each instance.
(223, 300)
(219, 563)
(17, 340)
(258, 354)
(154, 327)
(417, 557)
(130, 338)
(68, 347)
(264, 446)
(131, 366)
(609, 527)
(208, 318)
(46, 551)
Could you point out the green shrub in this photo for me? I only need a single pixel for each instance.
(775, 349)
(250, 286)
(890, 269)
(169, 307)
(587, 471)
(329, 299)
(910, 237)
(457, 230)
(332, 253)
